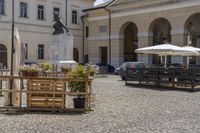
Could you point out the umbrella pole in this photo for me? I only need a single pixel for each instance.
(165, 61)
(188, 61)
(12, 54)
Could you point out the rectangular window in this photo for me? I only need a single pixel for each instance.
(2, 7)
(26, 50)
(23, 10)
(40, 12)
(74, 17)
(41, 51)
(103, 28)
(57, 11)
(87, 32)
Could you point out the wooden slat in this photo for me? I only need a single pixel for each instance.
(48, 92)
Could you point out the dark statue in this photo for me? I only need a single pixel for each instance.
(59, 26)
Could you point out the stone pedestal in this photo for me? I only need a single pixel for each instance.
(61, 48)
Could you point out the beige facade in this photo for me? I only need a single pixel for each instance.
(149, 22)
(34, 31)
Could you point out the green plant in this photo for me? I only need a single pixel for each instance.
(77, 86)
(91, 70)
(45, 66)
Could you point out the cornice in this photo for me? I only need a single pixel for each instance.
(148, 9)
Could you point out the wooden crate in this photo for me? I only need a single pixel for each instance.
(46, 94)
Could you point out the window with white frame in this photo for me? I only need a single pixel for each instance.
(40, 12)
(2, 6)
(23, 10)
(74, 17)
(41, 51)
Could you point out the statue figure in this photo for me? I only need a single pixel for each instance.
(58, 26)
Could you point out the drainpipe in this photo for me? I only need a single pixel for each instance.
(83, 37)
(109, 35)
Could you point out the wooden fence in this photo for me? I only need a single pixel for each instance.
(173, 76)
(3, 72)
(43, 93)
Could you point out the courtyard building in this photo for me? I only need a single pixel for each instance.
(34, 20)
(115, 29)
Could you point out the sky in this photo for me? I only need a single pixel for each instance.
(100, 1)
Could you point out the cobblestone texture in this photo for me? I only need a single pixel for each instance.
(118, 109)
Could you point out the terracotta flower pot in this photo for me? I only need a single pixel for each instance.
(29, 74)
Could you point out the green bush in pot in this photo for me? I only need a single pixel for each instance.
(77, 86)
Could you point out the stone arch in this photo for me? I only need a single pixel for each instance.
(160, 30)
(192, 31)
(3, 56)
(76, 54)
(129, 43)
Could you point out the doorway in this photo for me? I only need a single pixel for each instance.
(103, 55)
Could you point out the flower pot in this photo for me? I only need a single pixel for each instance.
(79, 103)
(66, 70)
(34, 74)
(29, 74)
(24, 73)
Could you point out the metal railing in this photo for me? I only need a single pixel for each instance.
(102, 72)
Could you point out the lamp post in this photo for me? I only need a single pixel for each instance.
(12, 52)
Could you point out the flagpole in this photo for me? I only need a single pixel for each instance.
(12, 51)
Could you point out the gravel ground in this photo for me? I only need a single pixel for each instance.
(118, 109)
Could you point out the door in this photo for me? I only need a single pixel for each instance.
(103, 55)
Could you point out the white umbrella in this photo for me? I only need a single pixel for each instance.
(165, 50)
(19, 56)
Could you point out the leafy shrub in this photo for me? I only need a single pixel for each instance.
(77, 86)
(45, 66)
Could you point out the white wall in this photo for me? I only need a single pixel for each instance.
(34, 31)
(76, 29)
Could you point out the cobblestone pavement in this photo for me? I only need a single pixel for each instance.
(118, 109)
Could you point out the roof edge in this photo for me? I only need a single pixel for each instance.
(100, 7)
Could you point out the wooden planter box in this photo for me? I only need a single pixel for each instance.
(46, 94)
(30, 74)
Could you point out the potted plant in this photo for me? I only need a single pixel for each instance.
(66, 70)
(91, 70)
(46, 67)
(76, 86)
(29, 71)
